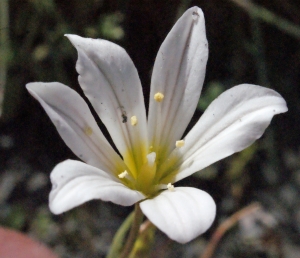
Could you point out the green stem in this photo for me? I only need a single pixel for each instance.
(138, 218)
(269, 17)
(119, 237)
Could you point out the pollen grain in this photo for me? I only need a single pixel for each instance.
(123, 174)
(170, 187)
(134, 120)
(179, 144)
(158, 97)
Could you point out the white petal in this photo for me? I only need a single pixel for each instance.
(230, 124)
(110, 81)
(183, 213)
(76, 125)
(74, 183)
(178, 73)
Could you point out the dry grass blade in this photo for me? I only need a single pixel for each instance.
(225, 226)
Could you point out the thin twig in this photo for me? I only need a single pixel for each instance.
(225, 226)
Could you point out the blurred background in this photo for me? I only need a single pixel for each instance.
(249, 41)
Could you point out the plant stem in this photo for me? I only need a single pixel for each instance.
(269, 17)
(134, 231)
(119, 237)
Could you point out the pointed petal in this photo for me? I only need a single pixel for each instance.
(230, 124)
(76, 125)
(178, 73)
(110, 81)
(74, 183)
(183, 213)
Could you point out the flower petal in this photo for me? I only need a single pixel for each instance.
(110, 81)
(183, 213)
(76, 125)
(178, 74)
(230, 124)
(74, 183)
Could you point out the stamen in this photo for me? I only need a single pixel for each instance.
(88, 131)
(134, 120)
(179, 144)
(170, 187)
(123, 174)
(158, 97)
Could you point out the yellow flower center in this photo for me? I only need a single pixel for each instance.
(150, 169)
(154, 173)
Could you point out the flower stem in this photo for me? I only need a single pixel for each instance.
(134, 231)
(119, 237)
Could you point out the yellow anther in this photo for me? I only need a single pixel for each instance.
(134, 120)
(88, 131)
(170, 187)
(158, 97)
(179, 144)
(123, 174)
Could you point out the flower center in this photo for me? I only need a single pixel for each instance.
(152, 169)
(154, 174)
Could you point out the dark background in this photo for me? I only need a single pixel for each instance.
(256, 43)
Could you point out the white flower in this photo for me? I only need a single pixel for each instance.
(153, 155)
